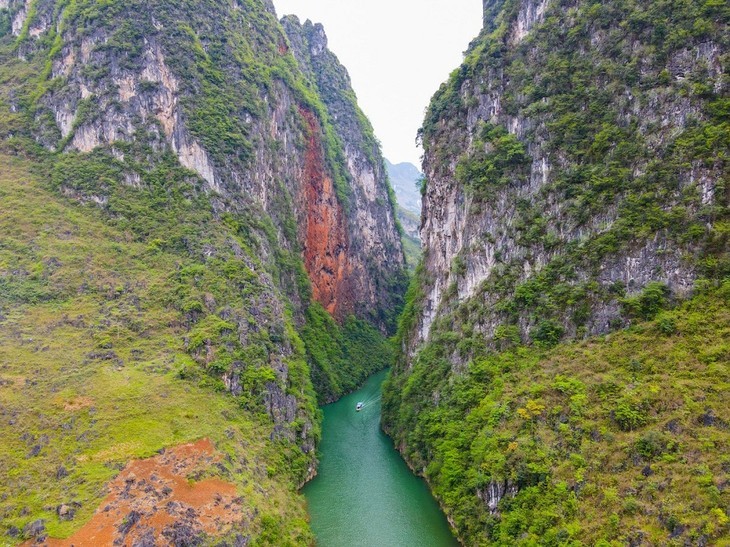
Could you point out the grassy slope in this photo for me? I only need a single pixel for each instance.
(609, 440)
(89, 350)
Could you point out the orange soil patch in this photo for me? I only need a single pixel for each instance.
(152, 502)
(78, 403)
(325, 241)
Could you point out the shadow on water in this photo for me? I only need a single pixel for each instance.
(365, 495)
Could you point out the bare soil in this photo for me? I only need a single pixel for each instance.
(155, 502)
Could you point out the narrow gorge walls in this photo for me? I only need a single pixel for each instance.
(574, 229)
(373, 252)
(214, 202)
(560, 182)
(325, 241)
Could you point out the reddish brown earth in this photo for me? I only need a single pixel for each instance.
(153, 502)
(325, 237)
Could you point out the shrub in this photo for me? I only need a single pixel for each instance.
(548, 333)
(651, 445)
(629, 415)
(483, 170)
(507, 335)
(667, 325)
(653, 299)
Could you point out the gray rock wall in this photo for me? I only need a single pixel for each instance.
(484, 236)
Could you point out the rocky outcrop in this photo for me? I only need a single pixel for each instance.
(326, 242)
(540, 218)
(373, 259)
(496, 492)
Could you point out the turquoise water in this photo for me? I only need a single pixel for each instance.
(365, 495)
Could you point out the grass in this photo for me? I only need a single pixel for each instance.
(90, 351)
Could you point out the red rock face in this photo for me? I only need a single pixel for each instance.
(325, 238)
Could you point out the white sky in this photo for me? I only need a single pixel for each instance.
(398, 52)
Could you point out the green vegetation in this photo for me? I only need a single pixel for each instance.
(606, 441)
(94, 367)
(498, 157)
(342, 357)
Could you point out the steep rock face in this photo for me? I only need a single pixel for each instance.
(148, 92)
(192, 129)
(326, 240)
(576, 186)
(595, 198)
(372, 249)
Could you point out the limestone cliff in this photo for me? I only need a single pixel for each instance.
(564, 169)
(199, 131)
(111, 94)
(574, 230)
(366, 281)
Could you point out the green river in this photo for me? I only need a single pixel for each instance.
(365, 495)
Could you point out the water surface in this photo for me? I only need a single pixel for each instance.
(365, 495)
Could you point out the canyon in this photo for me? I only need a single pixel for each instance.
(200, 246)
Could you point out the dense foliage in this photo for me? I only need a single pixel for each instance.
(615, 440)
(342, 357)
(506, 156)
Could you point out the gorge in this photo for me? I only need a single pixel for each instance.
(202, 271)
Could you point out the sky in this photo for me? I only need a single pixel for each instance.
(398, 53)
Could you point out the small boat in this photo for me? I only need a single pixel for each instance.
(359, 406)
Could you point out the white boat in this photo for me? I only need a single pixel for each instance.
(359, 406)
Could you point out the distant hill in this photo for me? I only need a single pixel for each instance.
(404, 178)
